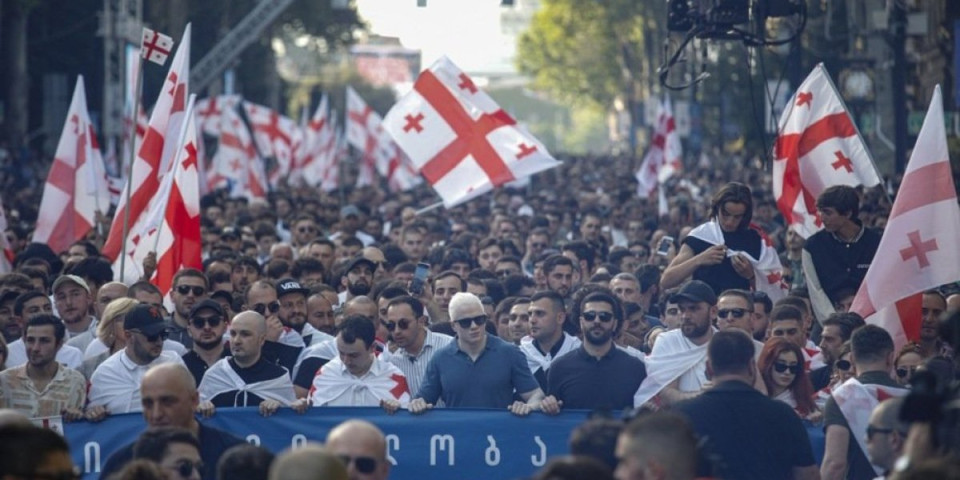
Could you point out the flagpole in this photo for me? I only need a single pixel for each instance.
(428, 208)
(133, 156)
(856, 128)
(176, 164)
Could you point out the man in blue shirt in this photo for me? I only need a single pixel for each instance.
(477, 370)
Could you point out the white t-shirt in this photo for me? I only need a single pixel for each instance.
(116, 382)
(17, 355)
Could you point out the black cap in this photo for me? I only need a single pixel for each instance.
(290, 285)
(695, 291)
(222, 294)
(207, 303)
(145, 318)
(358, 260)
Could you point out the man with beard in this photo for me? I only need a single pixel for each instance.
(207, 325)
(115, 384)
(189, 287)
(282, 346)
(320, 314)
(559, 272)
(934, 304)
(71, 297)
(547, 341)
(416, 344)
(681, 354)
(837, 329)
(597, 375)
(477, 370)
(246, 379)
(293, 311)
(357, 278)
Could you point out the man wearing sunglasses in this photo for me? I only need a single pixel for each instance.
(175, 450)
(477, 370)
(837, 329)
(357, 378)
(362, 447)
(115, 384)
(416, 344)
(872, 353)
(189, 287)
(208, 323)
(597, 375)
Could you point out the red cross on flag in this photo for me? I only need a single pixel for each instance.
(276, 136)
(6, 257)
(155, 46)
(918, 249)
(818, 147)
(210, 109)
(173, 222)
(857, 401)
(76, 186)
(364, 133)
(459, 139)
(320, 146)
(664, 157)
(153, 158)
(236, 164)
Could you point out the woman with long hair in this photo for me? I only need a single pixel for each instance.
(783, 372)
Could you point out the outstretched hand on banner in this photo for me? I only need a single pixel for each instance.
(389, 406)
(419, 405)
(550, 405)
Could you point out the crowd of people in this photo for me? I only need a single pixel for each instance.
(566, 293)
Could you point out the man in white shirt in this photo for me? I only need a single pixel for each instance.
(26, 306)
(547, 340)
(115, 384)
(416, 344)
(357, 378)
(71, 297)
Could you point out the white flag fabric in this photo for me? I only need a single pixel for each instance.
(210, 110)
(152, 160)
(222, 378)
(665, 156)
(6, 255)
(917, 251)
(857, 401)
(459, 139)
(76, 187)
(335, 386)
(768, 271)
(236, 164)
(364, 132)
(818, 146)
(319, 144)
(276, 136)
(156, 46)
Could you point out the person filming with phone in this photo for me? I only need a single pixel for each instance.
(726, 251)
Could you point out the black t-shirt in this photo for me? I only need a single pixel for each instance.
(582, 381)
(749, 435)
(258, 372)
(841, 265)
(308, 370)
(722, 276)
(197, 366)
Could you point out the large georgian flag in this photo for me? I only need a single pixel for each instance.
(153, 158)
(174, 216)
(459, 139)
(76, 187)
(364, 132)
(664, 157)
(918, 248)
(236, 164)
(276, 136)
(818, 147)
(319, 144)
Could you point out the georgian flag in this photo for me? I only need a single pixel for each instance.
(767, 270)
(459, 139)
(384, 381)
(276, 136)
(221, 378)
(665, 155)
(210, 109)
(918, 249)
(156, 46)
(857, 401)
(818, 146)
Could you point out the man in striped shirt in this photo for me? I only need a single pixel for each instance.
(416, 343)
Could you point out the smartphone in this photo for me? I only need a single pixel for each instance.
(419, 278)
(664, 248)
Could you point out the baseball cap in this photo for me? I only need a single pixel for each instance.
(350, 210)
(62, 279)
(208, 304)
(290, 285)
(695, 291)
(358, 260)
(145, 318)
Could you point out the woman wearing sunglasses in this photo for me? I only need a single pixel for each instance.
(781, 366)
(908, 360)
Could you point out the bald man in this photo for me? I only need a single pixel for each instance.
(109, 292)
(168, 394)
(886, 434)
(363, 449)
(246, 379)
(310, 462)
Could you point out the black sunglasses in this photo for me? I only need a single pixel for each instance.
(783, 367)
(902, 372)
(843, 365)
(186, 467)
(871, 431)
(306, 229)
(604, 317)
(735, 312)
(478, 321)
(261, 308)
(365, 465)
(155, 337)
(199, 322)
(185, 289)
(402, 323)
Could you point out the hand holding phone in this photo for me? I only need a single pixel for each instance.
(419, 278)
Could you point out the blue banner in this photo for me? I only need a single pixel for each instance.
(444, 443)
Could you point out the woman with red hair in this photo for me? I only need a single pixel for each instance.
(781, 366)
